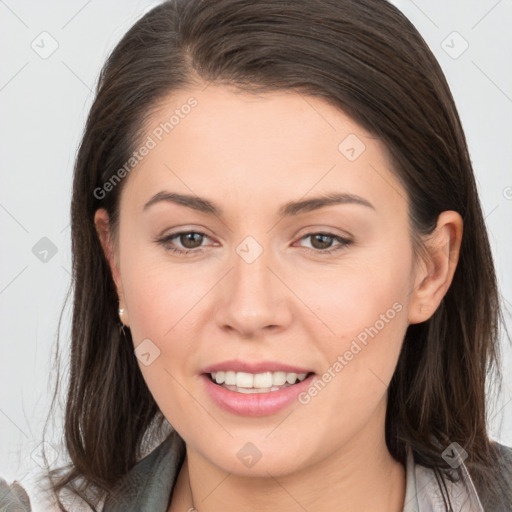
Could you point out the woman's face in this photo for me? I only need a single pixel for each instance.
(276, 278)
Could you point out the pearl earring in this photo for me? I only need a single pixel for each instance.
(121, 311)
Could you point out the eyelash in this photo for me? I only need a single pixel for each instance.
(165, 242)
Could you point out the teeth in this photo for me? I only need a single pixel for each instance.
(230, 379)
(291, 378)
(264, 380)
(244, 380)
(279, 378)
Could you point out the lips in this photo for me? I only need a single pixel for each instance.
(255, 389)
(253, 367)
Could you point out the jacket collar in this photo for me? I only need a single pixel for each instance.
(425, 493)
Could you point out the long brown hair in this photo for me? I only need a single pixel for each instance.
(365, 58)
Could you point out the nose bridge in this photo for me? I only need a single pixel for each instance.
(255, 297)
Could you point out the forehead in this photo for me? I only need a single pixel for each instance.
(259, 147)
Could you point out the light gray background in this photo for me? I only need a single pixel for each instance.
(43, 105)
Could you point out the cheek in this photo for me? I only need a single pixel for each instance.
(160, 297)
(161, 308)
(365, 308)
(364, 295)
(367, 312)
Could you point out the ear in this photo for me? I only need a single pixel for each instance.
(436, 267)
(102, 224)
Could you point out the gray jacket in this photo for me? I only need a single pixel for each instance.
(148, 486)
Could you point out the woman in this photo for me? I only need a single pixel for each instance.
(276, 201)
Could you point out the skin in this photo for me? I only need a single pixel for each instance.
(250, 154)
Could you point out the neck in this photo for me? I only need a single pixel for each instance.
(360, 475)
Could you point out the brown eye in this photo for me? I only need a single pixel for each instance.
(322, 243)
(190, 240)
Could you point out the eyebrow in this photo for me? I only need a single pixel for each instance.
(291, 208)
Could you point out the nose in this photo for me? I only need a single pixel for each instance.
(253, 299)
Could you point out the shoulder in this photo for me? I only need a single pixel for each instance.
(468, 492)
(503, 461)
(504, 451)
(13, 497)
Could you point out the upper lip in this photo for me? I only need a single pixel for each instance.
(254, 367)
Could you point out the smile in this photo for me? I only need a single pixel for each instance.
(255, 394)
(244, 382)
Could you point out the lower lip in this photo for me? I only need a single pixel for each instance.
(255, 404)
